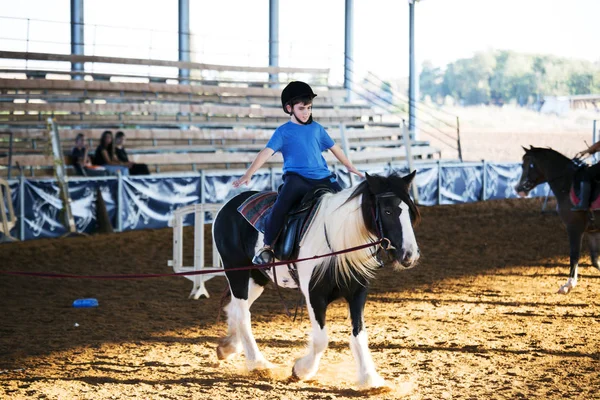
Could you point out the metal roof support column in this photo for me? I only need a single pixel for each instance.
(412, 76)
(274, 38)
(348, 47)
(77, 40)
(184, 39)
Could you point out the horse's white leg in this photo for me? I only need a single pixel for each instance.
(359, 343)
(230, 345)
(367, 374)
(241, 315)
(238, 311)
(307, 366)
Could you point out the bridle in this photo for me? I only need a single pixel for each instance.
(527, 185)
(385, 243)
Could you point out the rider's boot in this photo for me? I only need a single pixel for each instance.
(264, 255)
(584, 196)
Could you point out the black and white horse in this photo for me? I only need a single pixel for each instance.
(379, 207)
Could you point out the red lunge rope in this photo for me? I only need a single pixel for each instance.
(203, 272)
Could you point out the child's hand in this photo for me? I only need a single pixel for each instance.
(243, 180)
(353, 170)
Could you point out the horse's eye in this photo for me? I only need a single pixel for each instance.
(531, 166)
(388, 212)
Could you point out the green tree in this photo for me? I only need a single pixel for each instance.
(468, 79)
(497, 77)
(430, 81)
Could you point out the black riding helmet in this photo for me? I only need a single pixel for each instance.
(294, 90)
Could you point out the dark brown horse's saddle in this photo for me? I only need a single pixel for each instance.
(594, 202)
(574, 194)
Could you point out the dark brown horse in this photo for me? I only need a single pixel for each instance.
(546, 165)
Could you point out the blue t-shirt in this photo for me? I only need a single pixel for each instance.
(301, 147)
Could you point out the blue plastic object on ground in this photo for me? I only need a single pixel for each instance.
(85, 303)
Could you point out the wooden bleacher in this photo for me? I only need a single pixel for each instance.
(201, 124)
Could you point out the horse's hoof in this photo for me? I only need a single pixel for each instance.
(564, 290)
(295, 377)
(260, 365)
(299, 375)
(226, 349)
(372, 382)
(221, 355)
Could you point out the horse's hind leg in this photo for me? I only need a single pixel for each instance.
(594, 243)
(239, 335)
(230, 345)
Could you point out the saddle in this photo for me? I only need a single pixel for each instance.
(257, 207)
(594, 203)
(575, 189)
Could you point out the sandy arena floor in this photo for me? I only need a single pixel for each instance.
(478, 319)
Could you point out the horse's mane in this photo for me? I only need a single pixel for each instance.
(345, 220)
(536, 151)
(393, 183)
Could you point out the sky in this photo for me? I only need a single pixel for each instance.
(311, 31)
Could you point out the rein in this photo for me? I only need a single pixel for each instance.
(202, 272)
(575, 164)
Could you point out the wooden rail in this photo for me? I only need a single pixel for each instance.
(40, 160)
(158, 63)
(121, 88)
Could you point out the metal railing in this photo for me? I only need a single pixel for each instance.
(51, 36)
(389, 101)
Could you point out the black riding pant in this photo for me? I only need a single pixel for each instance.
(294, 188)
(592, 173)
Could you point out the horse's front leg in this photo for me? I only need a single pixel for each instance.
(359, 343)
(575, 244)
(307, 366)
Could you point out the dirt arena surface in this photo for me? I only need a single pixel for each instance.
(479, 318)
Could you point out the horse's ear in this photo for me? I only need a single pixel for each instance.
(409, 178)
(523, 147)
(372, 183)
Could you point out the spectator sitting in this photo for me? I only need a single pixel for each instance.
(134, 169)
(105, 155)
(81, 160)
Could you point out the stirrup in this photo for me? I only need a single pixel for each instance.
(579, 207)
(263, 256)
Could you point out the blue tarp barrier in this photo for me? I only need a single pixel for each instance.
(42, 214)
(501, 180)
(217, 188)
(149, 202)
(461, 183)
